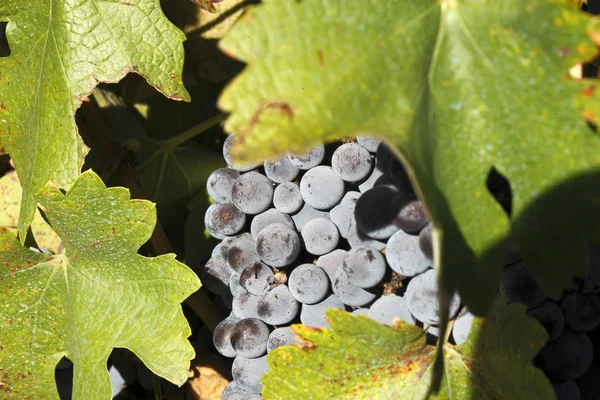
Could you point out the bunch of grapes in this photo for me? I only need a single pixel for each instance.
(341, 227)
(337, 227)
(569, 357)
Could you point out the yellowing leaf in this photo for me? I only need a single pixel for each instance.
(458, 87)
(362, 359)
(96, 295)
(10, 202)
(60, 50)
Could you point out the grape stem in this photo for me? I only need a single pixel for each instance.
(194, 131)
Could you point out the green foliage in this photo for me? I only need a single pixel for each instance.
(96, 295)
(362, 359)
(458, 87)
(59, 52)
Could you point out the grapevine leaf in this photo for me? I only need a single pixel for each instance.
(458, 87)
(96, 295)
(10, 204)
(362, 359)
(60, 50)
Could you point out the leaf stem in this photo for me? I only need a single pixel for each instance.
(193, 131)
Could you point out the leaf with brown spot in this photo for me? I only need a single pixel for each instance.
(362, 359)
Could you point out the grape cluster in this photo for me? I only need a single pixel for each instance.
(573, 323)
(337, 227)
(341, 227)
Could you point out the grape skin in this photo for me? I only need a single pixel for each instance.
(551, 317)
(227, 156)
(249, 337)
(320, 236)
(248, 372)
(343, 214)
(220, 182)
(277, 306)
(242, 253)
(364, 266)
(280, 337)
(222, 336)
(314, 314)
(308, 283)
(287, 198)
(310, 159)
(519, 286)
(281, 170)
(321, 188)
(271, 216)
(422, 298)
(348, 293)
(369, 142)
(386, 308)
(373, 213)
(278, 245)
(351, 162)
(252, 193)
(224, 219)
(256, 278)
(567, 357)
(462, 327)
(404, 255)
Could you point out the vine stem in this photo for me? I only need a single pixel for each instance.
(193, 131)
(199, 301)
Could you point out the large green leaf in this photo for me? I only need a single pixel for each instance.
(96, 295)
(60, 50)
(362, 359)
(458, 87)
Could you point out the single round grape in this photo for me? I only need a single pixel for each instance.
(222, 336)
(426, 241)
(370, 143)
(410, 213)
(320, 236)
(306, 214)
(287, 198)
(248, 372)
(308, 283)
(256, 278)
(550, 316)
(252, 193)
(348, 293)
(321, 188)
(227, 156)
(357, 238)
(314, 314)
(373, 213)
(404, 255)
(422, 296)
(234, 391)
(386, 308)
(278, 245)
(331, 262)
(277, 306)
(519, 286)
(224, 219)
(343, 214)
(269, 217)
(310, 159)
(229, 241)
(215, 275)
(249, 337)
(582, 311)
(351, 162)
(567, 357)
(281, 170)
(364, 266)
(220, 183)
(281, 337)
(462, 327)
(242, 253)
(245, 305)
